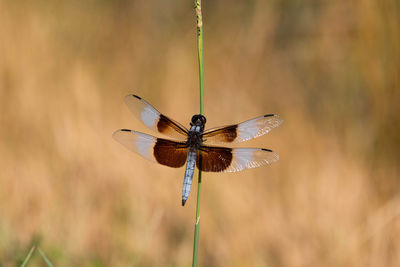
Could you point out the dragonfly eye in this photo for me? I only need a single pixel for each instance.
(195, 118)
(203, 119)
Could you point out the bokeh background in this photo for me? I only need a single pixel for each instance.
(329, 68)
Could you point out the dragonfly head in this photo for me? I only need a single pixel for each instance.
(198, 120)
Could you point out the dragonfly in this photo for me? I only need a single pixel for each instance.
(196, 146)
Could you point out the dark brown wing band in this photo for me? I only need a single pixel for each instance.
(170, 153)
(226, 134)
(167, 126)
(214, 159)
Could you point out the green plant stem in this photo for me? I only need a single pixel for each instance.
(200, 53)
(201, 79)
(45, 258)
(28, 257)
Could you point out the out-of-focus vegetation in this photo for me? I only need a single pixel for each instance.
(329, 68)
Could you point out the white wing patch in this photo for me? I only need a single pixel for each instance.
(149, 116)
(248, 158)
(257, 127)
(142, 110)
(137, 142)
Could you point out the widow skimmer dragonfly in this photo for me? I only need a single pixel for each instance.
(189, 146)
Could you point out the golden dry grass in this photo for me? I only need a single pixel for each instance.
(329, 68)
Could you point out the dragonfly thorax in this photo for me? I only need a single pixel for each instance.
(196, 130)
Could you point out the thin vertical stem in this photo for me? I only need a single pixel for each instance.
(197, 224)
(200, 53)
(201, 79)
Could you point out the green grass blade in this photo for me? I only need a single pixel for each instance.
(46, 260)
(28, 257)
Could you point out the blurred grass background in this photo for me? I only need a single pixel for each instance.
(329, 68)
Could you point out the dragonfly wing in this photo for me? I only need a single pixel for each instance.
(224, 159)
(244, 131)
(153, 119)
(166, 152)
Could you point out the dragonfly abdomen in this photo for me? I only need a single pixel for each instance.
(187, 182)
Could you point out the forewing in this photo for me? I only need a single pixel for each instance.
(162, 151)
(243, 131)
(153, 119)
(224, 159)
